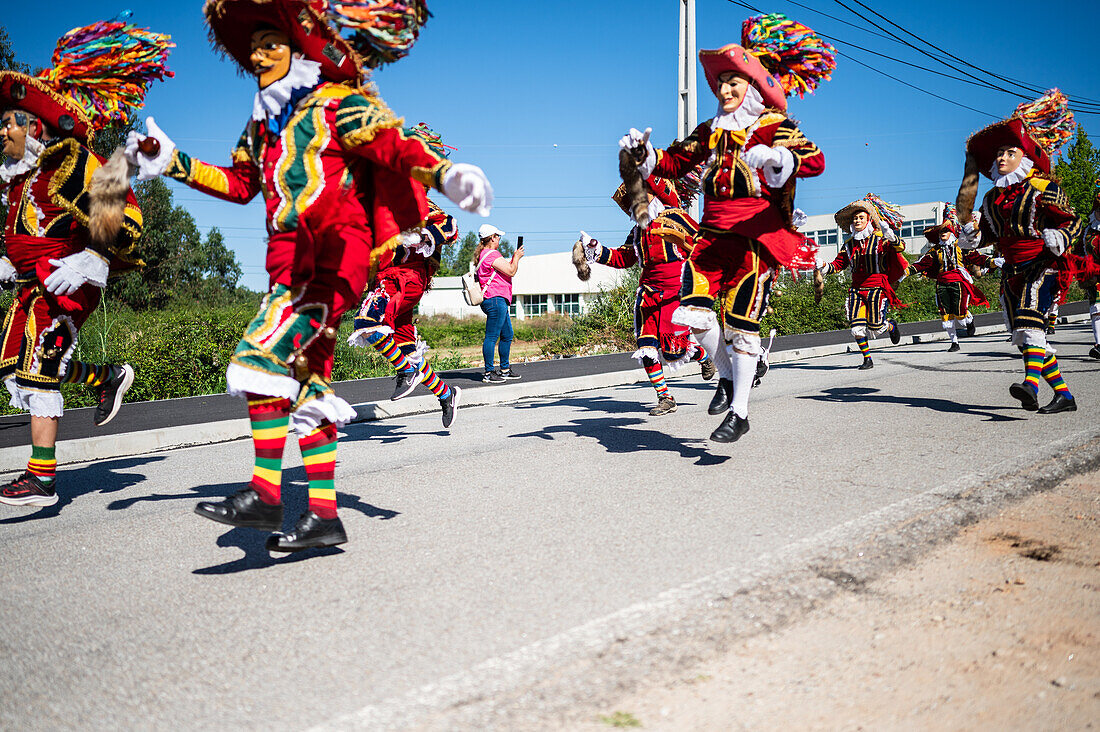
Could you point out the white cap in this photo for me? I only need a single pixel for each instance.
(486, 230)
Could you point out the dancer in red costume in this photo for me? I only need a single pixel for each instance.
(344, 186)
(753, 155)
(72, 222)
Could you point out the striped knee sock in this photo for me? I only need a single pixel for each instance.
(90, 374)
(430, 379)
(43, 463)
(700, 353)
(1053, 376)
(1033, 366)
(319, 457)
(390, 351)
(863, 347)
(270, 421)
(656, 376)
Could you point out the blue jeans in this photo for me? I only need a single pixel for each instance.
(497, 326)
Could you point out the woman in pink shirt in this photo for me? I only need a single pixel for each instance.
(494, 274)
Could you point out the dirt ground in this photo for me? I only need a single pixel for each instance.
(998, 629)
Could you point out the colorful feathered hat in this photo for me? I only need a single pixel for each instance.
(879, 210)
(1039, 128)
(950, 223)
(345, 37)
(100, 75)
(777, 54)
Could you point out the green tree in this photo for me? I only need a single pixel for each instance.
(456, 259)
(179, 264)
(1077, 171)
(7, 55)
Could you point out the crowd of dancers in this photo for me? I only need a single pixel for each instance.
(351, 226)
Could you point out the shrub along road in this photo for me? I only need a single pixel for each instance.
(528, 566)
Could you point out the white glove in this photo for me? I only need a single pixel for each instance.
(998, 262)
(467, 186)
(149, 168)
(636, 139)
(887, 232)
(75, 270)
(7, 270)
(591, 247)
(758, 156)
(1055, 241)
(970, 235)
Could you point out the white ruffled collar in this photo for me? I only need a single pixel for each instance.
(864, 233)
(742, 118)
(1015, 176)
(269, 102)
(950, 242)
(11, 169)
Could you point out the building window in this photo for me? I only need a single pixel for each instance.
(911, 229)
(568, 304)
(512, 309)
(535, 305)
(825, 237)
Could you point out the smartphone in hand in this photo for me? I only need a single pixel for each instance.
(519, 243)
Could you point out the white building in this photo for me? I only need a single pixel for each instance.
(918, 217)
(545, 283)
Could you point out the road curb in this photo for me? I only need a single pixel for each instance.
(137, 443)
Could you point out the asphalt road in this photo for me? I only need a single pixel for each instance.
(521, 540)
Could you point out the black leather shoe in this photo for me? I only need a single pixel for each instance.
(971, 328)
(731, 429)
(1029, 400)
(1060, 403)
(245, 509)
(310, 532)
(450, 406)
(1095, 352)
(723, 395)
(954, 347)
(867, 364)
(895, 332)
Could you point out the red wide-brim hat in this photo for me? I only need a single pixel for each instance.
(732, 57)
(932, 233)
(20, 91)
(232, 23)
(1012, 132)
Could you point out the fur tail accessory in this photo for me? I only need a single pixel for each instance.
(383, 31)
(819, 285)
(584, 270)
(107, 67)
(107, 193)
(635, 187)
(795, 55)
(968, 189)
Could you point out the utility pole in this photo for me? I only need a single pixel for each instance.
(687, 97)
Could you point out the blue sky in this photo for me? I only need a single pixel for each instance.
(538, 93)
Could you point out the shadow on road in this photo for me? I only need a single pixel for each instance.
(91, 478)
(616, 435)
(847, 394)
(256, 556)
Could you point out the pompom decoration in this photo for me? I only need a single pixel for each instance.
(689, 185)
(888, 212)
(1050, 120)
(431, 138)
(107, 67)
(805, 255)
(796, 56)
(383, 30)
(951, 214)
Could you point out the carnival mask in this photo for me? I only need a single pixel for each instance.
(1008, 159)
(271, 55)
(732, 88)
(13, 134)
(860, 220)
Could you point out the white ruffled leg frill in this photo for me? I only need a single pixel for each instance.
(1094, 312)
(361, 338)
(38, 403)
(327, 408)
(242, 381)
